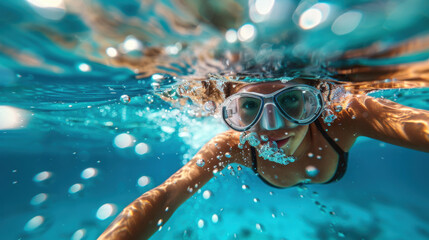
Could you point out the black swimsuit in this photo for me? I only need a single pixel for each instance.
(342, 161)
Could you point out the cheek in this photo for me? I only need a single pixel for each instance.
(297, 131)
(299, 134)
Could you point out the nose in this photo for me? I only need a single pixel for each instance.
(271, 118)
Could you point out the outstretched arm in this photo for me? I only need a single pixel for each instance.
(388, 121)
(140, 219)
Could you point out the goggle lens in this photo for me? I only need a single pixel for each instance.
(298, 104)
(242, 111)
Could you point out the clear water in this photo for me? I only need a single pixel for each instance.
(84, 121)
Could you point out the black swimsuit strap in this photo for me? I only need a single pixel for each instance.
(254, 160)
(343, 156)
(331, 142)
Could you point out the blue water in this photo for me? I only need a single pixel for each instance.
(66, 71)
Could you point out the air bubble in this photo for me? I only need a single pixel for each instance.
(200, 162)
(201, 223)
(159, 222)
(256, 200)
(125, 99)
(42, 176)
(329, 116)
(39, 199)
(228, 155)
(310, 155)
(215, 218)
(155, 85)
(105, 211)
(83, 67)
(143, 181)
(148, 99)
(259, 227)
(207, 194)
(338, 108)
(210, 106)
(34, 223)
(311, 171)
(141, 148)
(76, 188)
(89, 173)
(244, 187)
(79, 234)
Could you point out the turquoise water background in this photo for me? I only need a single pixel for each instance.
(66, 71)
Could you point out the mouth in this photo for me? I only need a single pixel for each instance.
(282, 142)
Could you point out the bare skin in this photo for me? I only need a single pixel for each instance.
(362, 116)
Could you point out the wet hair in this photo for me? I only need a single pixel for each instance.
(200, 92)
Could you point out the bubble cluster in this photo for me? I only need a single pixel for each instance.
(148, 98)
(210, 106)
(269, 151)
(252, 138)
(328, 116)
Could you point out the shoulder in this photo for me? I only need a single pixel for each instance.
(339, 121)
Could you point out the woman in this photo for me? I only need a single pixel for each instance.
(289, 144)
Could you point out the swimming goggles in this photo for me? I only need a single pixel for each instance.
(300, 104)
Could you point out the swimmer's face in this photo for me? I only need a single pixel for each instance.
(290, 136)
